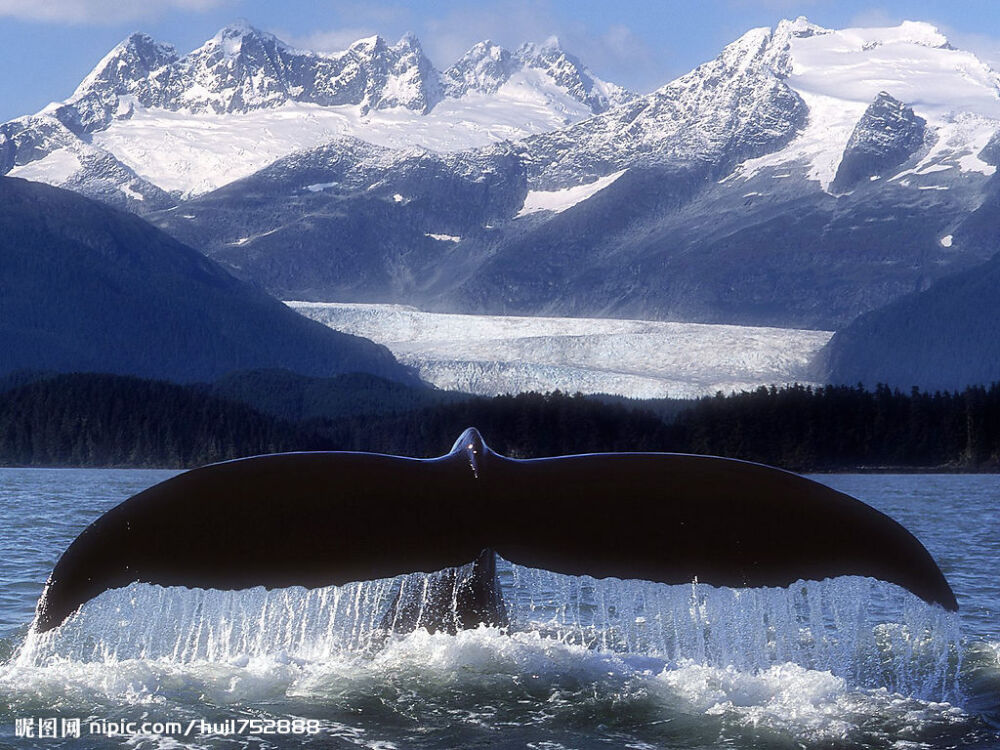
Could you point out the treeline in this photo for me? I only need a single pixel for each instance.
(110, 420)
(840, 427)
(831, 428)
(524, 426)
(104, 420)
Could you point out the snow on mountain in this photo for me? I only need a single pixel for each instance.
(484, 69)
(545, 69)
(558, 201)
(640, 359)
(839, 74)
(729, 109)
(191, 123)
(194, 154)
(788, 97)
(242, 69)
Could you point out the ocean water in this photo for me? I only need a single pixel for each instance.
(587, 664)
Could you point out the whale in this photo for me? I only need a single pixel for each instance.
(317, 519)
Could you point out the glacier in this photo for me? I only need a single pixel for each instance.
(493, 354)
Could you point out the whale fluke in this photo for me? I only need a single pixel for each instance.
(321, 519)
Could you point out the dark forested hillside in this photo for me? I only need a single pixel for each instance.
(84, 287)
(523, 426)
(943, 337)
(838, 427)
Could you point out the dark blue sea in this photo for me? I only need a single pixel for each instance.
(846, 663)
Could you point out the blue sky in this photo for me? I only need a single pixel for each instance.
(47, 46)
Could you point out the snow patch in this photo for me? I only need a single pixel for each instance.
(130, 193)
(443, 237)
(558, 201)
(54, 169)
(319, 187)
(934, 168)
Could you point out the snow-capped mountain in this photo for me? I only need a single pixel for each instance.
(802, 178)
(188, 124)
(791, 96)
(487, 68)
(720, 199)
(735, 107)
(887, 134)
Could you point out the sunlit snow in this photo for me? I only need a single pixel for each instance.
(839, 73)
(54, 169)
(196, 153)
(557, 201)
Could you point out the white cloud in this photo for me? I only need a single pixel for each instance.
(333, 40)
(874, 18)
(983, 46)
(99, 12)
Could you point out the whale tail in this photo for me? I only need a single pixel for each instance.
(321, 519)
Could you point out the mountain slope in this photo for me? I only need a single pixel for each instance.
(944, 337)
(351, 220)
(88, 288)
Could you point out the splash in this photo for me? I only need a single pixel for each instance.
(868, 633)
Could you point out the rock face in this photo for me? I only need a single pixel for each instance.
(89, 288)
(730, 109)
(887, 135)
(351, 219)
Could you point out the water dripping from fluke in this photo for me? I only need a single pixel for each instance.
(871, 634)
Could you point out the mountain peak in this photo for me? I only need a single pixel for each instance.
(368, 44)
(239, 27)
(550, 44)
(484, 68)
(487, 67)
(232, 38)
(549, 49)
(409, 40)
(800, 28)
(131, 60)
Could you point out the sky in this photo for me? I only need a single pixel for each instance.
(48, 46)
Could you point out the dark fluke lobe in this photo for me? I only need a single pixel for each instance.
(321, 519)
